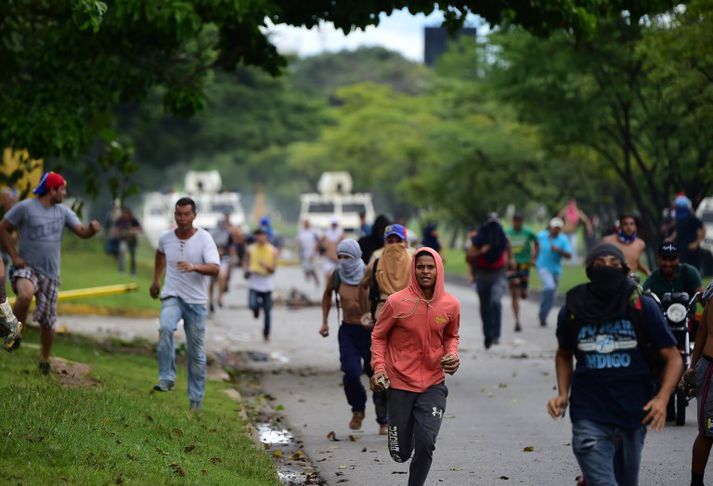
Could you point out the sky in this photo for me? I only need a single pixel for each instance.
(400, 31)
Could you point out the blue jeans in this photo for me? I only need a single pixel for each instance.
(173, 309)
(492, 285)
(258, 300)
(608, 454)
(549, 290)
(355, 358)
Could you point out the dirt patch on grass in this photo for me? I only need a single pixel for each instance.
(72, 374)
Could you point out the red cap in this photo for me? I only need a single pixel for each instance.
(51, 180)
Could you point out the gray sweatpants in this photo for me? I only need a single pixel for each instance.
(414, 421)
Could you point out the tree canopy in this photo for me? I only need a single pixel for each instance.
(67, 65)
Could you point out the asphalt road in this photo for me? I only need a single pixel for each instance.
(495, 428)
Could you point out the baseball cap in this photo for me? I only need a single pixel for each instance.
(682, 201)
(49, 180)
(395, 229)
(556, 223)
(668, 249)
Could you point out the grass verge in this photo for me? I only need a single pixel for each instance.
(84, 264)
(118, 432)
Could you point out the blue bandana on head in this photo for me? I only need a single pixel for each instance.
(352, 270)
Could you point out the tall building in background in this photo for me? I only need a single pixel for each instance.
(437, 40)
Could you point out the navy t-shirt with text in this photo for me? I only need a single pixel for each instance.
(611, 381)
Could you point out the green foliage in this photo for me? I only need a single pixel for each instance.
(84, 264)
(325, 73)
(67, 65)
(380, 137)
(601, 98)
(451, 150)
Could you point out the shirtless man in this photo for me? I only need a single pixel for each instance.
(631, 245)
(702, 369)
(354, 338)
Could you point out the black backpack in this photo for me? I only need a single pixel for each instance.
(374, 291)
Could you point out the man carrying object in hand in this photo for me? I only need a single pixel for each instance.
(415, 340)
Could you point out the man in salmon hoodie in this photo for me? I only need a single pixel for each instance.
(415, 340)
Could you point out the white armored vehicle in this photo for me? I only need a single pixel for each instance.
(204, 187)
(335, 201)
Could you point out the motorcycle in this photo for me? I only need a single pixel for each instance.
(679, 310)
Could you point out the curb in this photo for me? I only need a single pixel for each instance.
(95, 310)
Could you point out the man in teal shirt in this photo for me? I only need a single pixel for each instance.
(524, 248)
(672, 275)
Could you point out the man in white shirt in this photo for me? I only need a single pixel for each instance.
(189, 257)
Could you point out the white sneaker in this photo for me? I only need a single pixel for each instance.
(10, 325)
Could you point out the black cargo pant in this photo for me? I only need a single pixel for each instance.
(414, 422)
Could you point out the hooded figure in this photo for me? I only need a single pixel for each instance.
(412, 334)
(607, 294)
(610, 338)
(414, 341)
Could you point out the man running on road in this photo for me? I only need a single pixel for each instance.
(354, 338)
(260, 265)
(189, 257)
(612, 331)
(553, 247)
(35, 268)
(389, 271)
(630, 244)
(415, 340)
(524, 249)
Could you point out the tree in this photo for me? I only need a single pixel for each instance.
(599, 95)
(68, 64)
(325, 73)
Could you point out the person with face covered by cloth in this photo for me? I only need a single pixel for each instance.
(354, 339)
(615, 333)
(389, 272)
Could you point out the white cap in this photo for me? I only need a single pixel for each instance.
(556, 223)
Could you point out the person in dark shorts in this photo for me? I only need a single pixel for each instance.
(524, 249)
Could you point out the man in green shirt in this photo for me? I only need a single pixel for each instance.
(672, 275)
(525, 248)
